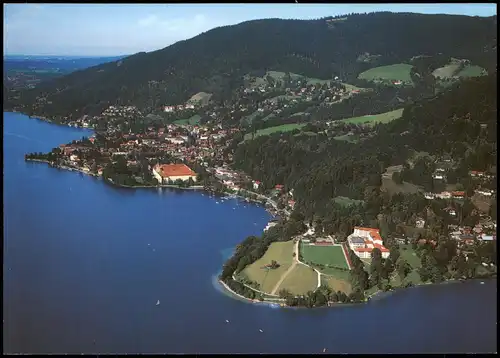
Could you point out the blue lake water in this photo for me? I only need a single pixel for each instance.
(85, 263)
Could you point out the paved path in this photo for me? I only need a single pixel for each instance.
(285, 274)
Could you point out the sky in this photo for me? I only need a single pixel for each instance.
(113, 29)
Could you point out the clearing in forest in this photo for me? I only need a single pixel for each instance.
(376, 118)
(397, 72)
(280, 128)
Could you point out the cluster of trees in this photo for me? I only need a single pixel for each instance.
(41, 156)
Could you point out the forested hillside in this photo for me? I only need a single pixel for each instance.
(461, 123)
(216, 61)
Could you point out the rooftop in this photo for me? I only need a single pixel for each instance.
(357, 240)
(169, 170)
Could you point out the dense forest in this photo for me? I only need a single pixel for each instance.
(216, 61)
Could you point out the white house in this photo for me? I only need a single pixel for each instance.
(363, 240)
(174, 140)
(256, 184)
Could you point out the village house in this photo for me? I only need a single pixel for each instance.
(165, 172)
(363, 240)
(256, 184)
(484, 192)
(420, 223)
(458, 194)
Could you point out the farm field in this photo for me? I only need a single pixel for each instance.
(191, 121)
(281, 252)
(300, 280)
(323, 255)
(377, 118)
(447, 71)
(281, 128)
(452, 70)
(397, 72)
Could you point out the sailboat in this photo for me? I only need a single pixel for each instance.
(158, 302)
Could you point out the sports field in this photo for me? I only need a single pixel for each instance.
(281, 252)
(397, 72)
(324, 255)
(300, 280)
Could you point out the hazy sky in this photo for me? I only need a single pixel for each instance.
(105, 29)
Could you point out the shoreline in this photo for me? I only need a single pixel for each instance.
(168, 186)
(375, 296)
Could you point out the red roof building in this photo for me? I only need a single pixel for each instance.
(363, 240)
(165, 172)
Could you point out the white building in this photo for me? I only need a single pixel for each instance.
(174, 140)
(164, 173)
(420, 223)
(363, 240)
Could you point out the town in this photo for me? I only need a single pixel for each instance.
(192, 146)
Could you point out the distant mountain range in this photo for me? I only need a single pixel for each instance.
(216, 61)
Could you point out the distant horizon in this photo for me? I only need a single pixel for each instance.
(75, 56)
(62, 30)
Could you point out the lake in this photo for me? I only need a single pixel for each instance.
(85, 264)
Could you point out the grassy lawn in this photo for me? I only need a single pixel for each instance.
(324, 255)
(472, 71)
(409, 255)
(451, 69)
(281, 128)
(191, 121)
(278, 251)
(347, 138)
(399, 71)
(337, 284)
(201, 97)
(377, 118)
(345, 201)
(300, 280)
(446, 71)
